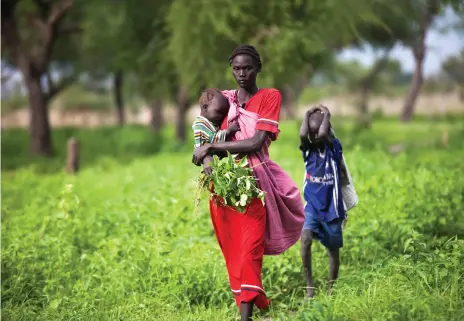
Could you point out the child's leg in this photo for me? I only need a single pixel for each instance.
(333, 240)
(311, 230)
(334, 261)
(306, 242)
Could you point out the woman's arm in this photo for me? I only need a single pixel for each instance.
(245, 146)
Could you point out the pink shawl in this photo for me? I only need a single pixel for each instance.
(284, 207)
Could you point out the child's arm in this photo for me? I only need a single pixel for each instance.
(222, 135)
(218, 137)
(324, 129)
(199, 134)
(305, 144)
(232, 129)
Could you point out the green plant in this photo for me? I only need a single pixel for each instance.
(233, 181)
(118, 240)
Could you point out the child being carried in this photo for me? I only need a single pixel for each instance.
(214, 108)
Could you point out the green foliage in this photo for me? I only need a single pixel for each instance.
(77, 98)
(397, 24)
(105, 39)
(119, 242)
(454, 67)
(151, 63)
(233, 182)
(131, 39)
(291, 36)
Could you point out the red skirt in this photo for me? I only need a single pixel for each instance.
(241, 239)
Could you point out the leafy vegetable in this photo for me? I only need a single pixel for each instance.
(233, 181)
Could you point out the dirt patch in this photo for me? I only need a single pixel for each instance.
(430, 104)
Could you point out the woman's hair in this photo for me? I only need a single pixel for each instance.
(208, 95)
(247, 50)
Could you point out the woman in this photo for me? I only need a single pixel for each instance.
(270, 229)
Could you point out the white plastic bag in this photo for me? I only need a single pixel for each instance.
(350, 198)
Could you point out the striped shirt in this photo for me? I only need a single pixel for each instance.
(205, 132)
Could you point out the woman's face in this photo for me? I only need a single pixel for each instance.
(245, 70)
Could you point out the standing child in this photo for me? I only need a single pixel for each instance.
(324, 208)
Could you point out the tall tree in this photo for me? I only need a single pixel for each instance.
(395, 27)
(151, 64)
(287, 34)
(107, 46)
(367, 83)
(454, 67)
(30, 33)
(425, 13)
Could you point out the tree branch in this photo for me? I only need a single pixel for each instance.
(432, 9)
(69, 29)
(50, 83)
(50, 32)
(264, 33)
(10, 37)
(379, 65)
(55, 89)
(44, 8)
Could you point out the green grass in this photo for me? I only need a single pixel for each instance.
(120, 241)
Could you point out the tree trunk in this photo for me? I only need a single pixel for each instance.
(34, 62)
(364, 104)
(41, 143)
(288, 101)
(72, 156)
(156, 121)
(183, 104)
(366, 87)
(364, 120)
(418, 50)
(413, 93)
(118, 98)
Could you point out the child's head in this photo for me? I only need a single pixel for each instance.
(214, 105)
(315, 121)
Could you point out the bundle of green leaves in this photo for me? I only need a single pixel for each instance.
(233, 181)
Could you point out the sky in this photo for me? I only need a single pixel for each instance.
(439, 47)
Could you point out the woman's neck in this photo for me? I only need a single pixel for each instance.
(244, 95)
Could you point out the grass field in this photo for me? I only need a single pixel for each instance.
(121, 241)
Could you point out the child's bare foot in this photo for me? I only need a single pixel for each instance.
(310, 292)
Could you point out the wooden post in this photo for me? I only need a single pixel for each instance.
(396, 149)
(444, 137)
(72, 157)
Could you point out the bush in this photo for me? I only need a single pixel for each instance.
(121, 242)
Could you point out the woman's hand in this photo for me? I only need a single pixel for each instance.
(200, 153)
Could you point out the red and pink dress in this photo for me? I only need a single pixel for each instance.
(262, 230)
